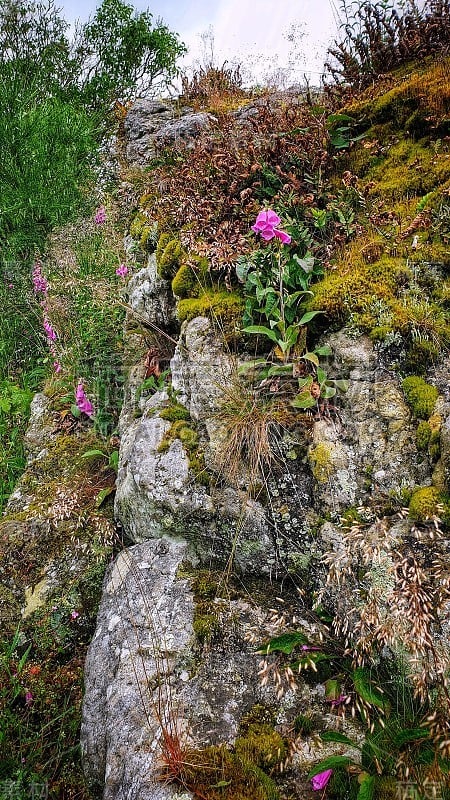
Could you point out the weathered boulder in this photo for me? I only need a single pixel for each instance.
(150, 298)
(143, 119)
(369, 446)
(135, 672)
(150, 125)
(158, 491)
(184, 131)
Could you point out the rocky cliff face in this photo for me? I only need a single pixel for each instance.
(165, 656)
(188, 674)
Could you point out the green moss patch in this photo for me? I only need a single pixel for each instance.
(420, 396)
(425, 503)
(226, 308)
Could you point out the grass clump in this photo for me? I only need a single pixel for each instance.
(420, 396)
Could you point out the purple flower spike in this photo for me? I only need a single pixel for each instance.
(320, 781)
(122, 270)
(266, 224)
(100, 215)
(83, 404)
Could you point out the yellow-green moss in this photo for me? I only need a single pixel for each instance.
(409, 168)
(175, 411)
(357, 284)
(224, 307)
(423, 435)
(424, 503)
(192, 278)
(420, 396)
(261, 745)
(424, 89)
(219, 774)
(169, 253)
(321, 462)
(181, 429)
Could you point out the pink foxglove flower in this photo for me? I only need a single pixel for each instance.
(320, 781)
(57, 366)
(28, 698)
(100, 215)
(122, 270)
(51, 335)
(39, 282)
(338, 700)
(83, 404)
(74, 615)
(266, 225)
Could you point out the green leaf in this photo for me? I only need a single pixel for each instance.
(103, 494)
(306, 263)
(309, 316)
(321, 375)
(285, 643)
(333, 762)
(365, 687)
(250, 366)
(367, 788)
(261, 329)
(325, 350)
(303, 400)
(75, 411)
(283, 369)
(94, 454)
(5, 405)
(341, 385)
(335, 736)
(327, 392)
(114, 460)
(303, 382)
(311, 357)
(332, 689)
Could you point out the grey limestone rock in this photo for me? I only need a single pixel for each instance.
(143, 119)
(372, 441)
(151, 125)
(150, 297)
(182, 132)
(135, 672)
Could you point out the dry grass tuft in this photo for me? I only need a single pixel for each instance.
(252, 430)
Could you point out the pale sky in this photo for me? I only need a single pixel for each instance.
(263, 35)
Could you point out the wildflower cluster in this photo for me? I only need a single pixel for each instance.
(40, 286)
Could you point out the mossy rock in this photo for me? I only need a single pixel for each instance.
(420, 396)
(261, 745)
(420, 355)
(182, 429)
(169, 254)
(321, 462)
(357, 284)
(174, 412)
(218, 774)
(424, 503)
(192, 278)
(226, 308)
